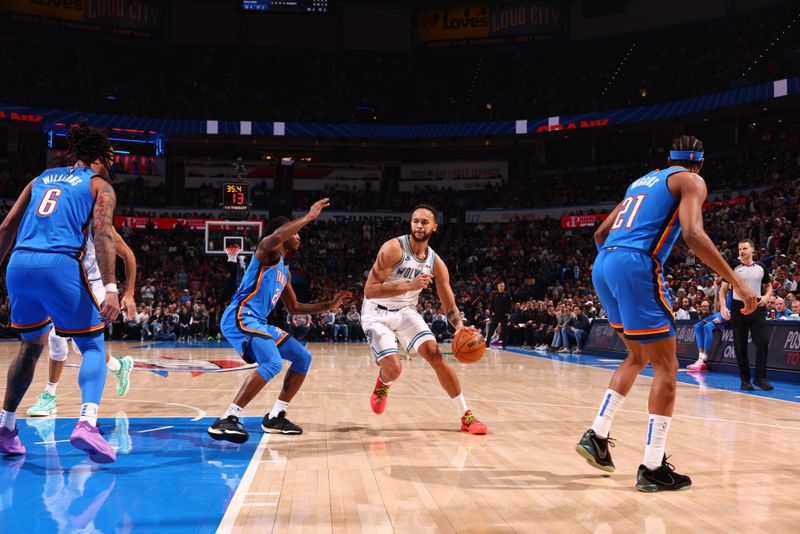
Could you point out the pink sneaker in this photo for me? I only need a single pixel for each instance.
(699, 365)
(89, 439)
(10, 443)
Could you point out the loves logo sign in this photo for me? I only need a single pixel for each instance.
(453, 23)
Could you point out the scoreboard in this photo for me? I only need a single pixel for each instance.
(286, 6)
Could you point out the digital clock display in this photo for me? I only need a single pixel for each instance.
(235, 197)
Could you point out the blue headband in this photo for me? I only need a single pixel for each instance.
(685, 155)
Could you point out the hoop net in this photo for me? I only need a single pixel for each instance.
(232, 251)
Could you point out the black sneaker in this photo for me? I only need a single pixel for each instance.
(596, 450)
(229, 429)
(746, 385)
(662, 479)
(280, 424)
(763, 383)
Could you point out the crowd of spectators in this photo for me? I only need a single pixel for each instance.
(562, 77)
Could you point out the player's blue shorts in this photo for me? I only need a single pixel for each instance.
(239, 331)
(719, 321)
(46, 288)
(632, 289)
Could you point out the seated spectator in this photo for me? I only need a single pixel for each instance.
(795, 315)
(780, 309)
(325, 324)
(198, 321)
(577, 328)
(705, 310)
(439, 326)
(340, 330)
(354, 324)
(428, 316)
(562, 316)
(300, 324)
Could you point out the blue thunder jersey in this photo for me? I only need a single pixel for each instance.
(648, 218)
(260, 290)
(60, 211)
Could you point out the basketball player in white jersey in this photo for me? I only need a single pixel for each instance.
(404, 267)
(120, 368)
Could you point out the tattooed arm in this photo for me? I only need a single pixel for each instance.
(104, 243)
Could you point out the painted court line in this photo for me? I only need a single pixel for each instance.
(50, 442)
(264, 493)
(237, 502)
(154, 429)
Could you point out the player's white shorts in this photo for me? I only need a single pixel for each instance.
(384, 328)
(59, 347)
(98, 290)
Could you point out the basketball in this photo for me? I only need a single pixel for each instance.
(468, 346)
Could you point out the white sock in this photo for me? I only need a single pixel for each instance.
(233, 409)
(612, 401)
(8, 419)
(703, 356)
(113, 363)
(461, 404)
(51, 388)
(657, 429)
(278, 407)
(384, 382)
(89, 413)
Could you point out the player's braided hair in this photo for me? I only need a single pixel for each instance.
(88, 144)
(687, 143)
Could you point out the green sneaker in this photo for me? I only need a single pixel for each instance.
(123, 376)
(44, 407)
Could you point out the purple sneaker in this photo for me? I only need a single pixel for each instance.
(10, 443)
(88, 439)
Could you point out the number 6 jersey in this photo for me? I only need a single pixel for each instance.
(60, 212)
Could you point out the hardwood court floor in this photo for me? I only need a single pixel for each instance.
(412, 470)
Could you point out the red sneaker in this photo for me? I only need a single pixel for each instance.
(470, 423)
(377, 400)
(699, 365)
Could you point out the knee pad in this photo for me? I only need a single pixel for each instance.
(59, 347)
(292, 351)
(264, 352)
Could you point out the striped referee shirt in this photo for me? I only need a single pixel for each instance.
(754, 276)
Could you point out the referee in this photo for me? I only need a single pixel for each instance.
(501, 311)
(753, 275)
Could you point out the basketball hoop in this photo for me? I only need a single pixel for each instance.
(232, 251)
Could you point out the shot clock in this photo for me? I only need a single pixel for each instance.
(235, 199)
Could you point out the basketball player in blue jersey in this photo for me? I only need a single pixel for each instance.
(244, 325)
(634, 242)
(47, 284)
(704, 334)
(120, 368)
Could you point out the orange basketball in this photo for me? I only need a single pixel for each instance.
(468, 346)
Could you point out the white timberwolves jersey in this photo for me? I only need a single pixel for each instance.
(90, 260)
(408, 268)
